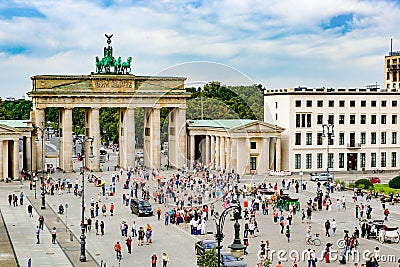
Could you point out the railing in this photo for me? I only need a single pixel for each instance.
(354, 145)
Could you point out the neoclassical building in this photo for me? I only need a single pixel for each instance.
(15, 134)
(245, 146)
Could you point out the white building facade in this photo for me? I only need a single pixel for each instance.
(361, 126)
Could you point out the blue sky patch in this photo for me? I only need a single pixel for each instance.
(342, 22)
(9, 13)
(14, 50)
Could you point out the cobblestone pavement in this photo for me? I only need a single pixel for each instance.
(175, 240)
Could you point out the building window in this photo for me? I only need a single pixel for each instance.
(341, 119)
(341, 160)
(383, 138)
(363, 103)
(298, 139)
(331, 119)
(253, 163)
(394, 138)
(330, 140)
(341, 138)
(320, 119)
(383, 103)
(373, 119)
(319, 160)
(253, 145)
(309, 139)
(308, 161)
(341, 103)
(373, 160)
(320, 103)
(330, 160)
(363, 119)
(297, 161)
(276, 116)
(319, 139)
(394, 103)
(373, 138)
(373, 103)
(309, 103)
(352, 103)
(394, 119)
(394, 161)
(298, 103)
(303, 120)
(352, 119)
(383, 159)
(276, 104)
(331, 103)
(383, 119)
(363, 138)
(362, 159)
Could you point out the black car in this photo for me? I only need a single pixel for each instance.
(141, 207)
(203, 245)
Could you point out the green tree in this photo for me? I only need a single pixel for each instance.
(208, 259)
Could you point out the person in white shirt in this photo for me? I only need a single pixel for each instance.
(333, 225)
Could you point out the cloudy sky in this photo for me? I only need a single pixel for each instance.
(280, 44)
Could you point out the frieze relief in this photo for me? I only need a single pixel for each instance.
(113, 83)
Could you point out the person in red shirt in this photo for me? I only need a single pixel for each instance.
(279, 264)
(117, 248)
(154, 260)
(112, 209)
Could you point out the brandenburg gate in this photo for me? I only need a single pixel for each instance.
(112, 86)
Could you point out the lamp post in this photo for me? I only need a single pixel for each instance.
(44, 132)
(81, 140)
(237, 248)
(327, 131)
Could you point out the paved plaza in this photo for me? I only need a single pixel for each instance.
(176, 241)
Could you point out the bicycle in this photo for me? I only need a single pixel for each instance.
(313, 240)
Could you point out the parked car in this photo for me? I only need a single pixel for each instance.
(321, 177)
(228, 260)
(141, 207)
(374, 180)
(202, 246)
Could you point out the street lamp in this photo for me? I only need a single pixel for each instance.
(237, 248)
(44, 132)
(81, 140)
(327, 131)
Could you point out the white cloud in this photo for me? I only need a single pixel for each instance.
(277, 43)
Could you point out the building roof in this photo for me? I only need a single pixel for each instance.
(223, 124)
(17, 123)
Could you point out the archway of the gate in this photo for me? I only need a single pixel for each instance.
(125, 92)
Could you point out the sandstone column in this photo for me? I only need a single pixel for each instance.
(264, 160)
(212, 152)
(218, 151)
(152, 147)
(3, 158)
(278, 154)
(207, 160)
(16, 170)
(272, 153)
(247, 155)
(127, 138)
(222, 153)
(93, 131)
(66, 143)
(177, 137)
(28, 151)
(192, 151)
(228, 159)
(40, 123)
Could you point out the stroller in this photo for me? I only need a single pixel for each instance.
(61, 209)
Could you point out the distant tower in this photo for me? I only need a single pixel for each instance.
(392, 70)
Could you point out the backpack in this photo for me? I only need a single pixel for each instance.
(386, 212)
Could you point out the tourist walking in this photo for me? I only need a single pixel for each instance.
(117, 248)
(41, 221)
(102, 228)
(154, 260)
(129, 244)
(37, 232)
(165, 259)
(30, 209)
(53, 235)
